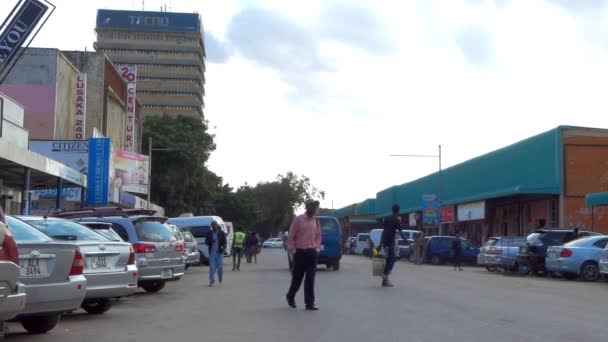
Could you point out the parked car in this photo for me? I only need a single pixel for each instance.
(362, 244)
(157, 255)
(412, 256)
(405, 248)
(331, 240)
(109, 266)
(376, 236)
(500, 253)
(273, 243)
(439, 250)
(199, 227)
(531, 257)
(577, 258)
(12, 291)
(193, 256)
(52, 272)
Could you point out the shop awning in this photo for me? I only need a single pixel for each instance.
(44, 171)
(597, 199)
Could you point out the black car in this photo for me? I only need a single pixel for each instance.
(531, 257)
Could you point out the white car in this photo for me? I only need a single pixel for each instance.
(273, 243)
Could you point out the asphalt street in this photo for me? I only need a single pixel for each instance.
(428, 303)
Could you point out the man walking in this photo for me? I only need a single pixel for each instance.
(457, 251)
(391, 225)
(237, 248)
(217, 243)
(304, 243)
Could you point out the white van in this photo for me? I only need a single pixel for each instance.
(376, 236)
(361, 244)
(199, 226)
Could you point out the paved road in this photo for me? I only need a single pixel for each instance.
(428, 304)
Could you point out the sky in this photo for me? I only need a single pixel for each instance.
(329, 89)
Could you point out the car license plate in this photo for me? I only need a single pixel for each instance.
(99, 262)
(166, 274)
(33, 268)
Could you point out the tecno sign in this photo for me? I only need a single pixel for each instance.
(19, 29)
(145, 20)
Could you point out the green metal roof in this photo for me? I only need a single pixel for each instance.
(531, 166)
(363, 221)
(365, 208)
(597, 199)
(349, 210)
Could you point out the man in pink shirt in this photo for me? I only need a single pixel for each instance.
(304, 243)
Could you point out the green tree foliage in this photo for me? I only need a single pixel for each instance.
(181, 182)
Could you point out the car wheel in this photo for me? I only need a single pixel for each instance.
(97, 306)
(435, 260)
(153, 286)
(40, 324)
(366, 252)
(523, 269)
(569, 276)
(491, 268)
(187, 266)
(590, 271)
(337, 265)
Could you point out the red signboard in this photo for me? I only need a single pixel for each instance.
(447, 214)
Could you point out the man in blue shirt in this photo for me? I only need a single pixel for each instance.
(217, 242)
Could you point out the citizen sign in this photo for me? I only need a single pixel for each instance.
(19, 29)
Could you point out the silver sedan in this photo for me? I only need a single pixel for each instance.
(52, 274)
(109, 266)
(577, 258)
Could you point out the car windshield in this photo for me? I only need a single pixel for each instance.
(66, 230)
(200, 231)
(154, 231)
(491, 243)
(23, 232)
(109, 234)
(533, 237)
(363, 237)
(329, 226)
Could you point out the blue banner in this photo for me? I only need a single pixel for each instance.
(431, 210)
(100, 152)
(148, 21)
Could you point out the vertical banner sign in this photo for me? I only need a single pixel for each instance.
(100, 153)
(19, 28)
(80, 115)
(129, 75)
(430, 210)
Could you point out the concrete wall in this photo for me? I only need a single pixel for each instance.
(32, 83)
(91, 63)
(116, 123)
(65, 98)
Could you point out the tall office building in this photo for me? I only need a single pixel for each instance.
(168, 51)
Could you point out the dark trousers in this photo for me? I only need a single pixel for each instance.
(457, 260)
(389, 262)
(237, 254)
(304, 264)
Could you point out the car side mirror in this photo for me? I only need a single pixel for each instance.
(2, 233)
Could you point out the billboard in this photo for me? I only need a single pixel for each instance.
(129, 75)
(80, 116)
(100, 154)
(73, 153)
(448, 214)
(68, 194)
(148, 21)
(472, 211)
(431, 213)
(131, 172)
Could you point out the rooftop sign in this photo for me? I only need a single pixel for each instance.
(148, 21)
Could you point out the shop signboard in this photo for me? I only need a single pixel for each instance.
(413, 219)
(72, 153)
(131, 172)
(129, 75)
(100, 154)
(68, 194)
(472, 211)
(431, 213)
(80, 110)
(447, 214)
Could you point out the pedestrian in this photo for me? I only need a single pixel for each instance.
(392, 224)
(304, 243)
(254, 246)
(237, 248)
(217, 243)
(457, 251)
(247, 247)
(370, 246)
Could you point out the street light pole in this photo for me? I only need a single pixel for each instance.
(440, 176)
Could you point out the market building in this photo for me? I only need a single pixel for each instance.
(166, 49)
(357, 218)
(538, 182)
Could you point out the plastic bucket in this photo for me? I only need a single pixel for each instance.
(378, 267)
